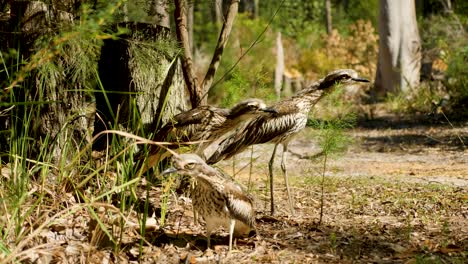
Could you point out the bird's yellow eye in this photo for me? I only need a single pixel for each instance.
(190, 166)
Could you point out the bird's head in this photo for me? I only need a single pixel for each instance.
(250, 107)
(189, 164)
(343, 76)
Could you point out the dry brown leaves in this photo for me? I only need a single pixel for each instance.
(370, 217)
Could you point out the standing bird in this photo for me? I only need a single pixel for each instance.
(204, 123)
(279, 128)
(219, 200)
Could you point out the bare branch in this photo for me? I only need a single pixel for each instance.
(257, 40)
(222, 41)
(191, 80)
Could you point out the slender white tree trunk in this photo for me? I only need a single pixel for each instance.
(328, 17)
(160, 10)
(219, 11)
(190, 24)
(399, 59)
(279, 65)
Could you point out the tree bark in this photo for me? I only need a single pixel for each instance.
(197, 91)
(399, 60)
(279, 70)
(328, 17)
(222, 41)
(53, 106)
(191, 79)
(190, 25)
(218, 9)
(159, 10)
(256, 6)
(134, 83)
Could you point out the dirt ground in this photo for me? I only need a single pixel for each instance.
(398, 195)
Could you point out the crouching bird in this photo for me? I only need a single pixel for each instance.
(218, 199)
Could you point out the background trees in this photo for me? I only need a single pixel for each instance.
(72, 70)
(399, 48)
(310, 50)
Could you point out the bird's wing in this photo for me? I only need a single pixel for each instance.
(262, 129)
(183, 121)
(183, 127)
(239, 204)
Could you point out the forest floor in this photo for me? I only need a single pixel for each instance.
(398, 195)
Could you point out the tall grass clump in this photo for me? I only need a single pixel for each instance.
(48, 180)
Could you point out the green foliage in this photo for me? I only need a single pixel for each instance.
(35, 187)
(251, 76)
(457, 74)
(443, 40)
(331, 136)
(233, 89)
(336, 116)
(356, 50)
(421, 100)
(295, 18)
(354, 11)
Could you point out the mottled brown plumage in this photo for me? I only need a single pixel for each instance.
(204, 123)
(218, 199)
(279, 128)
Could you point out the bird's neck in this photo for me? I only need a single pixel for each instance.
(236, 113)
(312, 96)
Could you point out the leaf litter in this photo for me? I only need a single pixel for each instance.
(386, 201)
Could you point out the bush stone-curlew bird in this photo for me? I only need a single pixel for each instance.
(219, 200)
(280, 127)
(204, 123)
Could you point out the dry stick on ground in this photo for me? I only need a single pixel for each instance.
(196, 91)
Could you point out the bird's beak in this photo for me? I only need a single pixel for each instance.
(269, 110)
(360, 80)
(168, 171)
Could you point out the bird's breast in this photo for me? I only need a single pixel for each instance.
(208, 202)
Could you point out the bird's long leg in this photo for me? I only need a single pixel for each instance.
(195, 216)
(208, 235)
(270, 169)
(231, 233)
(285, 173)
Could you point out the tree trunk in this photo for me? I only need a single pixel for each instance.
(279, 70)
(399, 59)
(256, 6)
(188, 70)
(49, 107)
(159, 9)
(248, 6)
(198, 92)
(136, 87)
(218, 10)
(328, 17)
(190, 25)
(219, 49)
